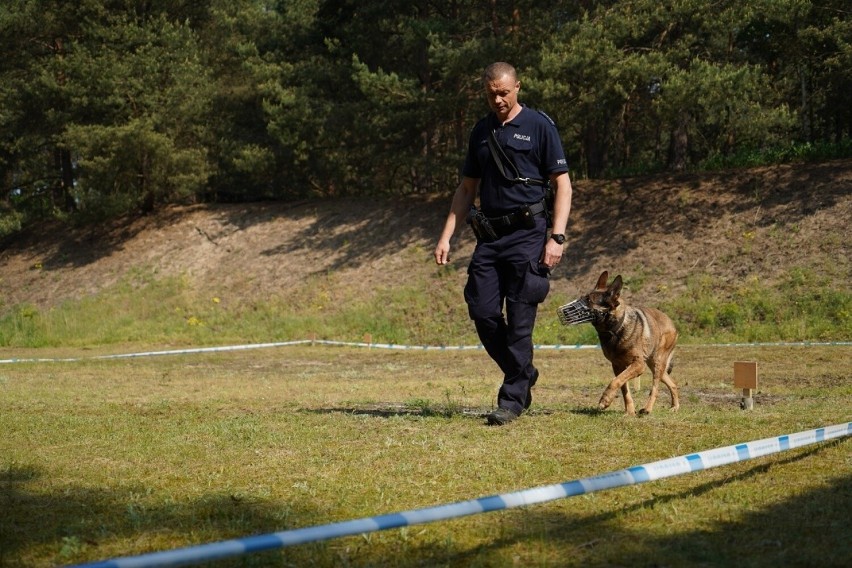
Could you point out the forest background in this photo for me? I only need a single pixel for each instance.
(137, 139)
(125, 106)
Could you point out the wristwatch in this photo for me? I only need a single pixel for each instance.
(558, 237)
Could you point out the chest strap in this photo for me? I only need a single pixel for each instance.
(500, 156)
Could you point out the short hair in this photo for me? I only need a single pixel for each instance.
(497, 70)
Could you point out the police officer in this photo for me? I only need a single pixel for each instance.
(513, 255)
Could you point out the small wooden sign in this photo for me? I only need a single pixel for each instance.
(745, 374)
(745, 377)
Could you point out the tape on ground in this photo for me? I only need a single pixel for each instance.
(392, 346)
(633, 475)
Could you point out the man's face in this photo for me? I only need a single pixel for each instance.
(502, 95)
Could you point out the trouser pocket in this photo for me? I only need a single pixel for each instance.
(535, 284)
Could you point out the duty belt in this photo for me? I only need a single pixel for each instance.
(517, 218)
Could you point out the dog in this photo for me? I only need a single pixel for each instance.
(631, 337)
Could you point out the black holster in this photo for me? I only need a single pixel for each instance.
(481, 226)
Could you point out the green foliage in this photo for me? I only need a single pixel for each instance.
(10, 222)
(805, 307)
(146, 310)
(133, 164)
(108, 115)
(762, 156)
(116, 107)
(657, 82)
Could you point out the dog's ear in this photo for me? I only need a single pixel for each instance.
(614, 289)
(601, 285)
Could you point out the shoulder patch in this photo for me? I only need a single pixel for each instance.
(544, 114)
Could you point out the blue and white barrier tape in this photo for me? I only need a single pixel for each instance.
(394, 346)
(630, 476)
(188, 351)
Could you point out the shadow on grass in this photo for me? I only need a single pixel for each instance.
(588, 411)
(60, 529)
(427, 409)
(368, 227)
(618, 215)
(389, 410)
(806, 529)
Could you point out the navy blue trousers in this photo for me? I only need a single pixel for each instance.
(506, 274)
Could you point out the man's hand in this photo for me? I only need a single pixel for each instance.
(462, 200)
(552, 254)
(442, 252)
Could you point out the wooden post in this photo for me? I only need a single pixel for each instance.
(745, 377)
(368, 338)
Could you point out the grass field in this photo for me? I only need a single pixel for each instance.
(106, 458)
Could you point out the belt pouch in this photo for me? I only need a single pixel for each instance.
(525, 218)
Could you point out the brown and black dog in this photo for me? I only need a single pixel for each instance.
(630, 337)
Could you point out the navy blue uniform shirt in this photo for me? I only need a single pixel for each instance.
(531, 141)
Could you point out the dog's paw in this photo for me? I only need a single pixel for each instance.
(605, 401)
(674, 408)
